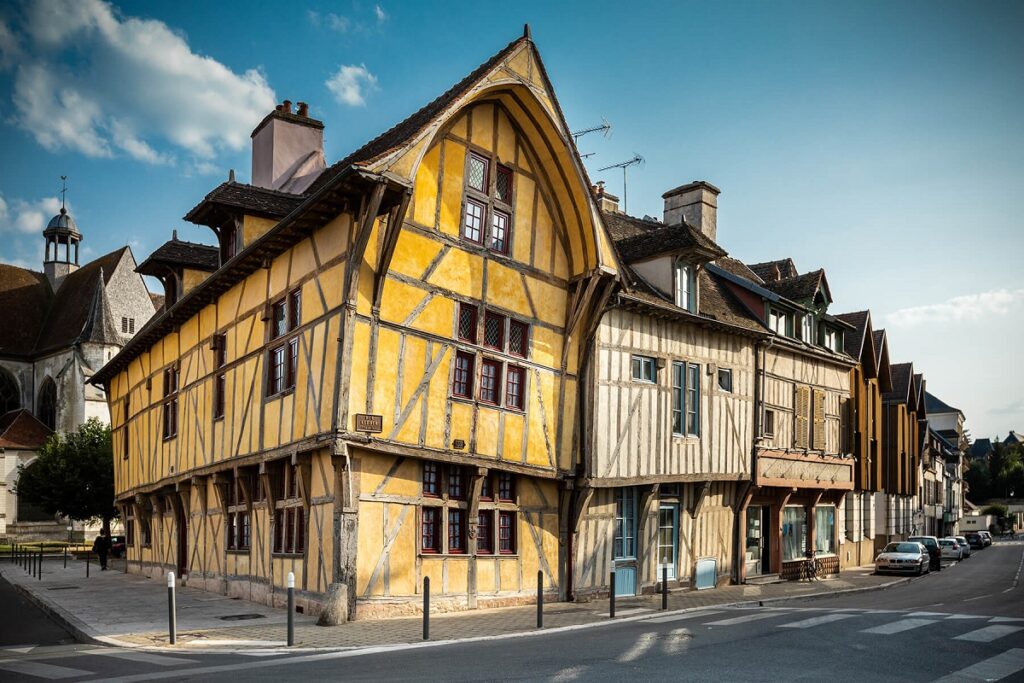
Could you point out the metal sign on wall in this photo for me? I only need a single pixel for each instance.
(371, 424)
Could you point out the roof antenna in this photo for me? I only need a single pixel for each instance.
(63, 192)
(526, 32)
(637, 159)
(605, 129)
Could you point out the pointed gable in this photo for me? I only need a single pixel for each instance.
(21, 429)
(859, 342)
(885, 381)
(25, 296)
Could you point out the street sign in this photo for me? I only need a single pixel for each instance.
(371, 424)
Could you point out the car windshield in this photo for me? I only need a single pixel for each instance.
(947, 542)
(903, 548)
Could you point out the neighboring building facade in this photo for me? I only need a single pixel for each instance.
(902, 438)
(70, 320)
(947, 423)
(671, 389)
(379, 384)
(869, 379)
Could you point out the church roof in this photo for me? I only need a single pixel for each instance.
(62, 224)
(25, 296)
(180, 254)
(22, 430)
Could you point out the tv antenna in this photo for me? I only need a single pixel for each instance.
(605, 129)
(587, 155)
(637, 159)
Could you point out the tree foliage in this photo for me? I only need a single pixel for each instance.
(73, 475)
(1001, 476)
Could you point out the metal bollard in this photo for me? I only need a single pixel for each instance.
(540, 599)
(611, 595)
(426, 608)
(291, 608)
(172, 625)
(88, 555)
(39, 573)
(664, 587)
(65, 556)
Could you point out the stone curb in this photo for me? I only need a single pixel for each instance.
(84, 633)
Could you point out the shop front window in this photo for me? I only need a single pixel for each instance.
(794, 533)
(825, 529)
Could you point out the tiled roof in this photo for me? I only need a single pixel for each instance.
(902, 379)
(981, 447)
(186, 254)
(636, 238)
(22, 430)
(774, 270)
(936, 405)
(856, 338)
(73, 303)
(25, 296)
(1013, 437)
(739, 269)
(157, 299)
(799, 288)
(258, 201)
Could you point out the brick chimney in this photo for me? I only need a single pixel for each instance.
(287, 149)
(695, 203)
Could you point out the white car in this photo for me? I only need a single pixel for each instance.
(951, 549)
(905, 556)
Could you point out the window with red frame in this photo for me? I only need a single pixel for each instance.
(487, 213)
(431, 479)
(500, 222)
(477, 172)
(506, 532)
(473, 223)
(503, 185)
(485, 532)
(171, 402)
(485, 488)
(430, 530)
(490, 381)
(220, 353)
(283, 358)
(518, 338)
(462, 379)
(506, 487)
(494, 330)
(467, 322)
(514, 387)
(456, 482)
(456, 530)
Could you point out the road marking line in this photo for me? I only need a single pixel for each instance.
(978, 597)
(996, 620)
(927, 614)
(677, 641)
(569, 674)
(989, 633)
(680, 617)
(966, 616)
(991, 669)
(817, 621)
(640, 647)
(745, 618)
(899, 626)
(38, 670)
(143, 657)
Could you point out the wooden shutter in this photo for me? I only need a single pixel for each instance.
(818, 427)
(801, 415)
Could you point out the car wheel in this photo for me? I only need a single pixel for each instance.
(920, 569)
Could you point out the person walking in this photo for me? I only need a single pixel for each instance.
(101, 546)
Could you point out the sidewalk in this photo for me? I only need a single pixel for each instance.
(128, 610)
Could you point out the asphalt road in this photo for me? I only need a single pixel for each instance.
(966, 622)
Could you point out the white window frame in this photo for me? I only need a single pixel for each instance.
(643, 369)
(686, 286)
(725, 372)
(807, 328)
(685, 399)
(775, 317)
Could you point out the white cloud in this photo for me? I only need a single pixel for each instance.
(966, 308)
(351, 83)
(1014, 408)
(382, 16)
(24, 217)
(335, 22)
(10, 47)
(141, 89)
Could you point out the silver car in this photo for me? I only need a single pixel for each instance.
(903, 557)
(964, 545)
(951, 549)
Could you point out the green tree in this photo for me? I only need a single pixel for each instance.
(995, 509)
(979, 481)
(73, 475)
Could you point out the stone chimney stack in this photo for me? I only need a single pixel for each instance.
(695, 203)
(606, 201)
(287, 149)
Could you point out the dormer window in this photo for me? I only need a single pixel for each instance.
(686, 286)
(830, 339)
(807, 329)
(778, 322)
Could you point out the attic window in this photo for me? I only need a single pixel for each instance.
(778, 322)
(487, 205)
(686, 286)
(830, 339)
(127, 325)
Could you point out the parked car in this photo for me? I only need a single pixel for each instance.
(931, 544)
(964, 545)
(975, 540)
(986, 537)
(904, 556)
(117, 546)
(950, 549)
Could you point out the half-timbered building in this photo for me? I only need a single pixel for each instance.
(670, 391)
(902, 419)
(379, 382)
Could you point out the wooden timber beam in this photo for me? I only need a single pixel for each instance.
(396, 218)
(367, 217)
(698, 500)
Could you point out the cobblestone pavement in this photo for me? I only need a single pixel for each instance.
(130, 610)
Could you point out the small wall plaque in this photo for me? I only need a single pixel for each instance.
(458, 443)
(371, 424)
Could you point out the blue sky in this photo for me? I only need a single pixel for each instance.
(881, 141)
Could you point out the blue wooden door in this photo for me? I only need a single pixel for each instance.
(624, 552)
